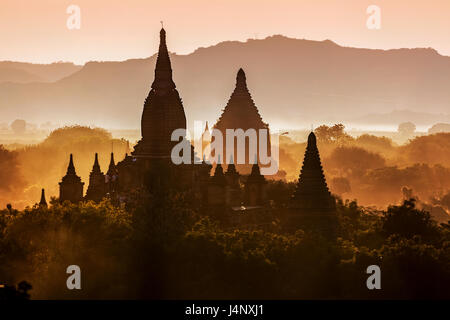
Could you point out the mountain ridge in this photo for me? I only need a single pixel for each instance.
(293, 82)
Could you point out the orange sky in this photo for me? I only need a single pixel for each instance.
(35, 30)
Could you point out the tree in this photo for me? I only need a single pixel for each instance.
(335, 133)
(19, 126)
(340, 185)
(11, 177)
(439, 127)
(407, 221)
(353, 161)
(406, 129)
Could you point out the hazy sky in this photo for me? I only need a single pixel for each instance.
(36, 31)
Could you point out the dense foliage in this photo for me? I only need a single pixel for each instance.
(162, 247)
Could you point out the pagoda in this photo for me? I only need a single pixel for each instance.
(255, 188)
(163, 110)
(241, 113)
(150, 164)
(43, 202)
(96, 188)
(312, 205)
(112, 176)
(233, 189)
(71, 187)
(217, 188)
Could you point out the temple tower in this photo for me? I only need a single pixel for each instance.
(163, 110)
(312, 205)
(43, 202)
(71, 187)
(216, 188)
(97, 188)
(255, 188)
(112, 176)
(241, 113)
(233, 190)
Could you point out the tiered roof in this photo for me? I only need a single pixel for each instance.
(312, 191)
(240, 111)
(163, 110)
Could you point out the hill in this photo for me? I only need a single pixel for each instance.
(294, 82)
(22, 72)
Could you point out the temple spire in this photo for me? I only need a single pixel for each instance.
(231, 167)
(219, 176)
(312, 205)
(255, 175)
(255, 170)
(241, 80)
(96, 166)
(112, 166)
(71, 167)
(232, 176)
(71, 187)
(163, 111)
(241, 113)
(96, 188)
(163, 70)
(43, 202)
(312, 191)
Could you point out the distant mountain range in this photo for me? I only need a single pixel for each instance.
(22, 72)
(294, 83)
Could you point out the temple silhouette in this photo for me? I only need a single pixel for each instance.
(235, 193)
(312, 204)
(241, 113)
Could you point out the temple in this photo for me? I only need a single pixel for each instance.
(236, 196)
(43, 202)
(71, 187)
(241, 113)
(255, 192)
(97, 188)
(312, 203)
(163, 110)
(112, 178)
(162, 114)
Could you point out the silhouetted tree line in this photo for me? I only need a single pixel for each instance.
(161, 245)
(164, 248)
(15, 293)
(368, 168)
